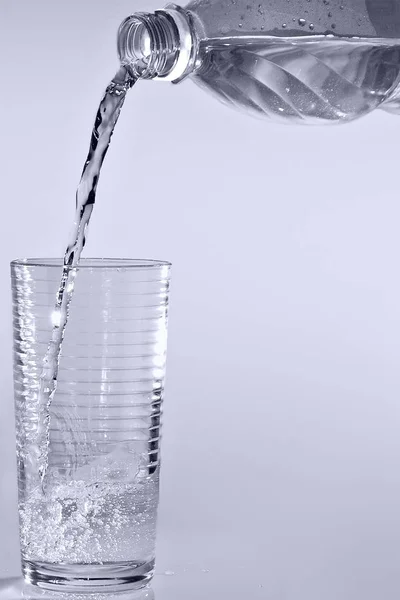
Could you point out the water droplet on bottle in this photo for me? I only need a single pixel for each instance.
(262, 28)
(302, 22)
(240, 25)
(311, 26)
(284, 25)
(333, 26)
(169, 573)
(329, 14)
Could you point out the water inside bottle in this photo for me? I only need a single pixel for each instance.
(304, 79)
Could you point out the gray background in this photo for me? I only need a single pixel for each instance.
(281, 451)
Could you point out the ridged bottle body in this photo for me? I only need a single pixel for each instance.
(308, 79)
(300, 61)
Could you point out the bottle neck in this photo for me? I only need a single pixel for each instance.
(160, 45)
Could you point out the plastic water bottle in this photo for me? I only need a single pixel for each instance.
(307, 61)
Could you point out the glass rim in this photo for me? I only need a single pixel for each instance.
(93, 263)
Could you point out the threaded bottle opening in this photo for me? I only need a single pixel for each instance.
(148, 44)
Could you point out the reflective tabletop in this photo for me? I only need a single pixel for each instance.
(176, 578)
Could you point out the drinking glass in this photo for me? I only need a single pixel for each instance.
(91, 521)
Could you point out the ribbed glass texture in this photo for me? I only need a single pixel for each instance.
(99, 501)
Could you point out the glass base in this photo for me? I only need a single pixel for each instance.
(106, 577)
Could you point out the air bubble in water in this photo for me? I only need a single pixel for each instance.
(75, 522)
